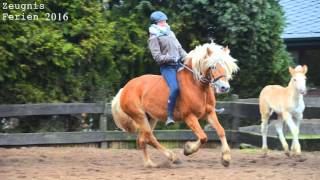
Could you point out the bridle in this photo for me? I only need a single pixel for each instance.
(206, 79)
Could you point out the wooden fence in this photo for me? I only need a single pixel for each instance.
(103, 138)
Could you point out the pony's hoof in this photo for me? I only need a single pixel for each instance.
(265, 152)
(298, 157)
(187, 150)
(150, 164)
(287, 153)
(225, 163)
(225, 159)
(177, 161)
(295, 154)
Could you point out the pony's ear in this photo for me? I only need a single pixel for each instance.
(305, 69)
(226, 49)
(292, 71)
(209, 51)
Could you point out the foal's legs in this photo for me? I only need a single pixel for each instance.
(279, 128)
(265, 114)
(213, 120)
(295, 146)
(264, 132)
(193, 123)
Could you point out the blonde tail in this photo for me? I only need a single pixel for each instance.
(122, 120)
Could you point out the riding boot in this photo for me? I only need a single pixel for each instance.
(169, 121)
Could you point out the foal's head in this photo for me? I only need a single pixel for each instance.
(298, 78)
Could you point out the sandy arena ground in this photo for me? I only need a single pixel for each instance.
(42, 163)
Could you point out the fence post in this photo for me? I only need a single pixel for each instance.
(235, 120)
(103, 123)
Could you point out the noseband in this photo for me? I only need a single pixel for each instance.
(210, 79)
(206, 79)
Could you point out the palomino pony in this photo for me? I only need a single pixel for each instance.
(287, 103)
(142, 102)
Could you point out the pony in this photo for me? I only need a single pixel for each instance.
(142, 102)
(287, 103)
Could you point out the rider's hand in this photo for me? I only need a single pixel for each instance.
(175, 59)
(181, 60)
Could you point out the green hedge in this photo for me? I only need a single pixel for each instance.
(104, 44)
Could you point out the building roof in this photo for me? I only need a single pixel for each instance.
(302, 19)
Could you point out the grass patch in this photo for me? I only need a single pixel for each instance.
(251, 150)
(304, 136)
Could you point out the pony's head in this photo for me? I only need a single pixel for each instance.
(213, 63)
(298, 78)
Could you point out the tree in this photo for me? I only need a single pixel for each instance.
(46, 61)
(102, 45)
(250, 28)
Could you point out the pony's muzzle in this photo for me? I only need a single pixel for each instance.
(303, 92)
(224, 89)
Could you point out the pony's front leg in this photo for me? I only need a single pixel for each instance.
(213, 120)
(279, 129)
(192, 147)
(295, 146)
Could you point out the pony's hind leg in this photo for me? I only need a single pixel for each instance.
(213, 120)
(279, 128)
(147, 137)
(141, 141)
(141, 121)
(155, 143)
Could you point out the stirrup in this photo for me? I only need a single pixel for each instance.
(169, 122)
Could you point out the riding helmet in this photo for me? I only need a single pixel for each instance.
(157, 16)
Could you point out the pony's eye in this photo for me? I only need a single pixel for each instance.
(294, 79)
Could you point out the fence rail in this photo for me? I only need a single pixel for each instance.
(53, 109)
(237, 109)
(23, 139)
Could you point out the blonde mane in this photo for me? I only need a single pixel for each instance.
(201, 62)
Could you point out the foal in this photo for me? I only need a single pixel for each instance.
(288, 103)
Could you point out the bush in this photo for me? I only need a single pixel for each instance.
(251, 29)
(48, 61)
